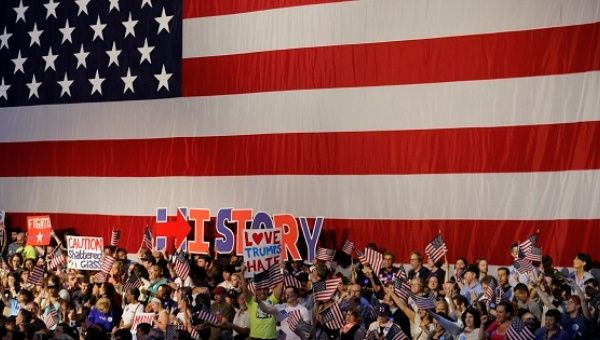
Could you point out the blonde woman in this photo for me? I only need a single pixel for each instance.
(103, 315)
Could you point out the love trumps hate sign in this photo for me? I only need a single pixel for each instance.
(262, 249)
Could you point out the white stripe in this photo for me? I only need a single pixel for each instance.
(367, 21)
(543, 195)
(502, 102)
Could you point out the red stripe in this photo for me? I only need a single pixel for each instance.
(469, 238)
(206, 8)
(485, 56)
(469, 150)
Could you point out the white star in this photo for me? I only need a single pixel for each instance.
(66, 32)
(21, 11)
(3, 89)
(129, 27)
(146, 2)
(34, 35)
(98, 28)
(163, 21)
(33, 87)
(114, 4)
(96, 83)
(82, 6)
(4, 39)
(18, 61)
(113, 55)
(81, 55)
(128, 80)
(50, 58)
(65, 85)
(145, 51)
(39, 237)
(51, 8)
(163, 79)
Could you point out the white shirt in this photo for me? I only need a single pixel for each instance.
(285, 327)
(130, 311)
(241, 320)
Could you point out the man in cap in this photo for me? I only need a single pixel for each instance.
(384, 324)
(472, 288)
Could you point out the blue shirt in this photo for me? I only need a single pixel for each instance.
(466, 291)
(540, 334)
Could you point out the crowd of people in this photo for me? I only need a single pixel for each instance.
(337, 296)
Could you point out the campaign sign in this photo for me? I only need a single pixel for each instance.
(85, 252)
(39, 230)
(262, 249)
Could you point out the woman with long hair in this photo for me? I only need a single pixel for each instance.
(471, 323)
(353, 328)
(497, 330)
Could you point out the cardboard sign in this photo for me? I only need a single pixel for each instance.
(85, 252)
(39, 230)
(262, 249)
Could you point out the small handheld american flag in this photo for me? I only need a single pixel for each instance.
(518, 331)
(290, 280)
(375, 259)
(51, 317)
(534, 254)
(275, 275)
(181, 266)
(423, 302)
(208, 317)
(348, 247)
(436, 249)
(293, 318)
(523, 266)
(57, 260)
(525, 246)
(323, 290)
(333, 317)
(37, 276)
(107, 263)
(133, 281)
(325, 254)
(115, 238)
(148, 240)
(401, 288)
(262, 280)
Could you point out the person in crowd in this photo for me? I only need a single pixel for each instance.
(353, 328)
(523, 300)
(417, 268)
(498, 329)
(482, 264)
(582, 263)
(459, 267)
(552, 329)
(504, 284)
(291, 304)
(384, 325)
(132, 308)
(223, 310)
(353, 299)
(262, 325)
(471, 289)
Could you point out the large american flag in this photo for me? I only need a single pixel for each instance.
(390, 118)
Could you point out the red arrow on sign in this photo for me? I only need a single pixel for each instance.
(179, 229)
